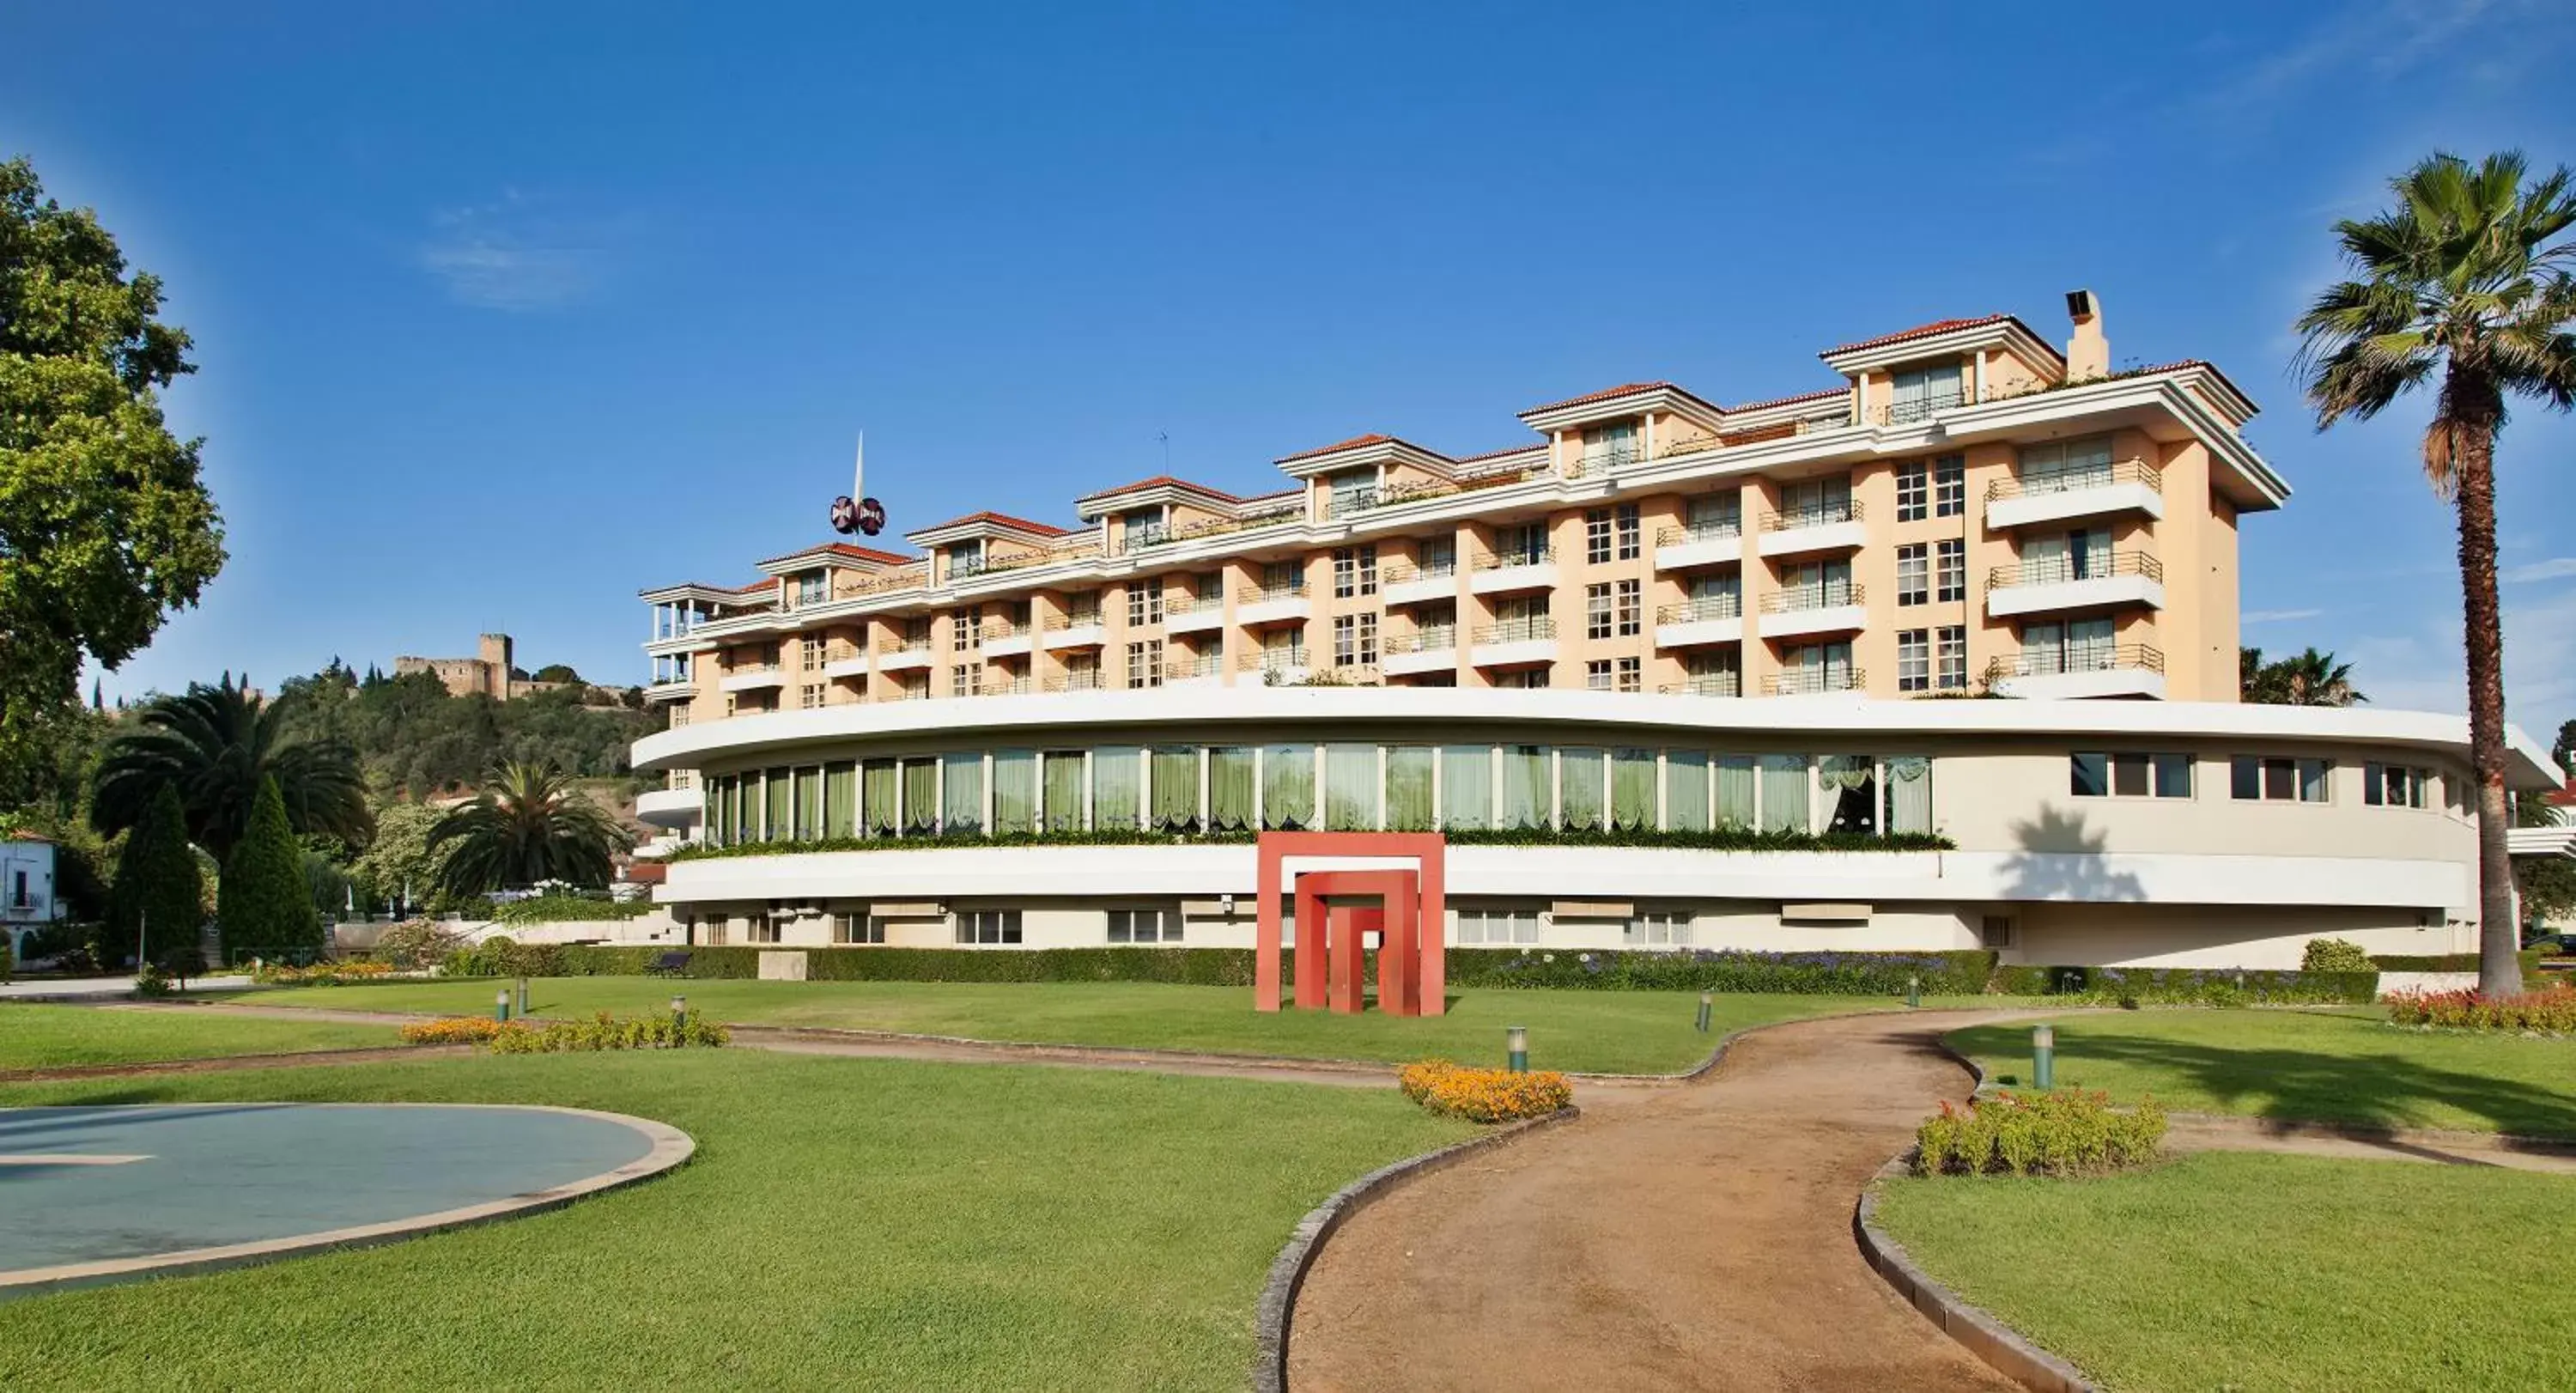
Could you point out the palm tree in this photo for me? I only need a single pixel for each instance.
(2305, 679)
(2459, 280)
(214, 744)
(529, 824)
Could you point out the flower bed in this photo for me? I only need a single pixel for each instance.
(1484, 1095)
(321, 974)
(2067, 1132)
(2550, 1012)
(607, 1032)
(457, 1030)
(2179, 986)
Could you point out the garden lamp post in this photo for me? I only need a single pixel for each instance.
(501, 1005)
(679, 1015)
(1516, 1048)
(1706, 1000)
(523, 997)
(1913, 991)
(2043, 1056)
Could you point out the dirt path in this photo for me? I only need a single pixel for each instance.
(1692, 1237)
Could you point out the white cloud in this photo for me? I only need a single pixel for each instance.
(2555, 568)
(2380, 41)
(511, 255)
(2275, 616)
(2424, 670)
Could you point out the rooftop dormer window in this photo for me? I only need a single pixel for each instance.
(965, 558)
(1609, 446)
(1919, 392)
(1354, 491)
(813, 588)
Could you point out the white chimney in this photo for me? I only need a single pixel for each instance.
(2088, 353)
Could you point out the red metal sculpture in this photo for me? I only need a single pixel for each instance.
(1409, 918)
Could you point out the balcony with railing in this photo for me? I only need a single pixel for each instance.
(1922, 408)
(1833, 526)
(844, 659)
(1077, 630)
(678, 806)
(1706, 684)
(1417, 582)
(1082, 680)
(1134, 538)
(1838, 606)
(1275, 664)
(1256, 605)
(1193, 614)
(2080, 669)
(903, 655)
(1701, 620)
(1515, 642)
(1194, 670)
(1431, 648)
(1340, 505)
(1815, 681)
(750, 677)
(1517, 570)
(2123, 579)
(2056, 495)
(1003, 639)
(1004, 686)
(1598, 460)
(1699, 544)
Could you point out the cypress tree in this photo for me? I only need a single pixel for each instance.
(158, 891)
(264, 903)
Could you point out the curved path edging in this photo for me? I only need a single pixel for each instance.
(1288, 1271)
(1974, 1330)
(670, 1147)
(219, 1063)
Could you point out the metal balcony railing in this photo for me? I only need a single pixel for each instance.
(1813, 515)
(1135, 539)
(2040, 483)
(1595, 461)
(1924, 408)
(1505, 560)
(1400, 572)
(1807, 681)
(1702, 607)
(1191, 665)
(1712, 684)
(997, 629)
(1342, 503)
(1085, 681)
(1830, 595)
(896, 647)
(1431, 638)
(1083, 619)
(1274, 660)
(1700, 532)
(1518, 630)
(2087, 657)
(1255, 594)
(2061, 569)
(1017, 686)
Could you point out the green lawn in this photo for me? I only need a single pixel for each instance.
(2340, 1065)
(2240, 1270)
(845, 1223)
(1593, 1032)
(37, 1036)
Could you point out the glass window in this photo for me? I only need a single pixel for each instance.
(1950, 570)
(880, 809)
(1527, 799)
(1913, 491)
(2245, 777)
(1851, 781)
(1632, 790)
(1175, 792)
(988, 926)
(961, 798)
(1914, 574)
(1950, 486)
(2313, 777)
(1466, 786)
(1657, 928)
(1580, 792)
(1408, 788)
(1717, 512)
(1287, 787)
(1015, 792)
(1144, 926)
(1784, 793)
(841, 801)
(2173, 775)
(1117, 778)
(1354, 571)
(1144, 665)
(1736, 782)
(1950, 672)
(857, 928)
(778, 825)
(1596, 611)
(1350, 788)
(1909, 793)
(1686, 791)
(2129, 775)
(2089, 774)
(1497, 926)
(1231, 770)
(1064, 790)
(1914, 660)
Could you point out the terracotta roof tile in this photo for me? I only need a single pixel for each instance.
(1529, 448)
(1919, 331)
(1159, 481)
(999, 520)
(1842, 391)
(1624, 389)
(843, 549)
(1353, 443)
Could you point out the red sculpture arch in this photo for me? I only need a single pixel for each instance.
(1411, 920)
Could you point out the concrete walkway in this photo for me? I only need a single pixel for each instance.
(85, 989)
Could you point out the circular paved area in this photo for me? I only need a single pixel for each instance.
(1691, 1237)
(104, 1193)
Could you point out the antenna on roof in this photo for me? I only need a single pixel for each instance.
(859, 469)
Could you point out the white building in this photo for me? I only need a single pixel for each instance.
(26, 886)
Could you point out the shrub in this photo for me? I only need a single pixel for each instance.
(150, 984)
(321, 974)
(1704, 969)
(415, 944)
(1484, 1095)
(558, 909)
(457, 1030)
(502, 956)
(2199, 986)
(2549, 1012)
(607, 1032)
(2334, 955)
(2067, 1132)
(263, 900)
(2451, 962)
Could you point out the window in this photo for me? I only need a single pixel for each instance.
(1144, 604)
(1144, 665)
(1353, 492)
(1919, 392)
(1950, 570)
(1630, 610)
(763, 928)
(1996, 931)
(1657, 928)
(961, 679)
(1632, 541)
(1596, 611)
(858, 928)
(812, 588)
(1612, 534)
(1523, 679)
(1497, 926)
(1716, 514)
(1523, 544)
(1914, 574)
(1596, 536)
(1355, 640)
(988, 926)
(1354, 571)
(1914, 660)
(2393, 785)
(1816, 502)
(1439, 557)
(1951, 657)
(2271, 779)
(2064, 465)
(2128, 774)
(1606, 446)
(1615, 674)
(1913, 491)
(965, 634)
(1144, 926)
(809, 696)
(1950, 486)
(809, 653)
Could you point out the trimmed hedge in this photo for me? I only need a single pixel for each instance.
(1705, 969)
(2450, 962)
(2177, 986)
(1716, 839)
(565, 909)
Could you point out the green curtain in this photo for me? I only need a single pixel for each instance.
(1784, 793)
(1117, 777)
(1176, 789)
(719, 808)
(1015, 791)
(961, 798)
(1632, 789)
(921, 796)
(841, 801)
(1467, 786)
(778, 825)
(1686, 790)
(1288, 787)
(1350, 788)
(1579, 788)
(809, 804)
(1064, 783)
(1231, 771)
(878, 811)
(1408, 788)
(1735, 783)
(1909, 793)
(1527, 800)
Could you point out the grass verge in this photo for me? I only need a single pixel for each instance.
(2246, 1270)
(38, 1036)
(845, 1223)
(2336, 1065)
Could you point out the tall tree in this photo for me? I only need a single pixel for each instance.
(216, 745)
(529, 824)
(264, 903)
(2462, 281)
(2303, 679)
(105, 526)
(158, 896)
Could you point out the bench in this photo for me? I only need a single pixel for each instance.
(669, 965)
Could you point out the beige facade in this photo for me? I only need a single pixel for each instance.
(1960, 517)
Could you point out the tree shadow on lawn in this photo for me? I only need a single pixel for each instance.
(2369, 1090)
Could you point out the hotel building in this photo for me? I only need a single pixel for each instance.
(1657, 614)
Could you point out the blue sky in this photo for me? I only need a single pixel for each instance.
(502, 315)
